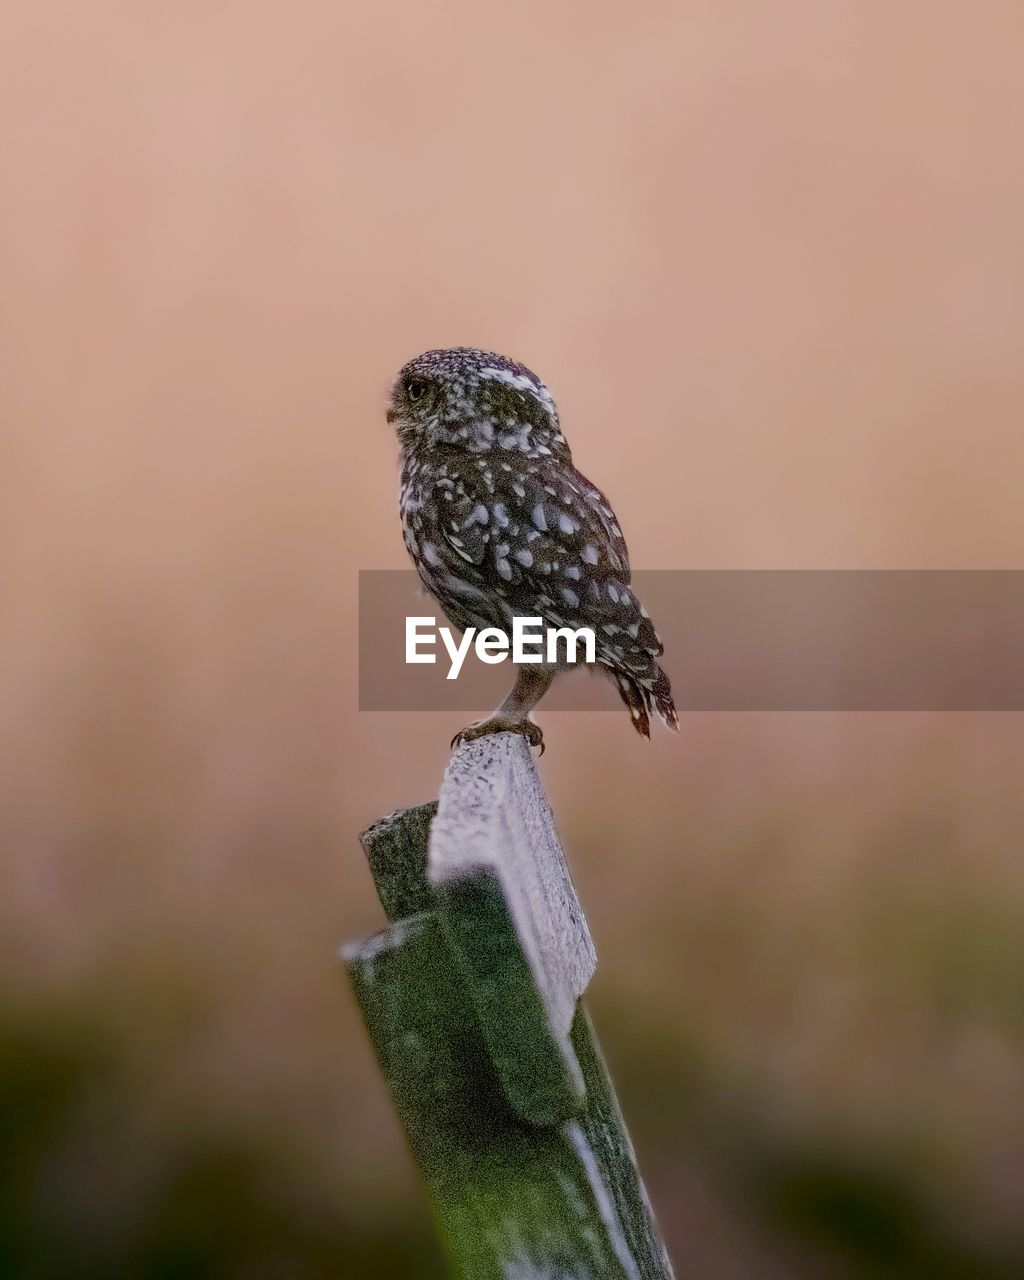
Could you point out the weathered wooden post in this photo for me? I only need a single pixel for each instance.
(473, 1000)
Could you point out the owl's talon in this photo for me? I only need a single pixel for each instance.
(481, 728)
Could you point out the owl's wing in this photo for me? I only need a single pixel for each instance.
(544, 542)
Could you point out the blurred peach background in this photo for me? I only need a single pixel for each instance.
(770, 259)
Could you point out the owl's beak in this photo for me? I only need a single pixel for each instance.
(390, 415)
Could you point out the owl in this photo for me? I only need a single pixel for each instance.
(499, 524)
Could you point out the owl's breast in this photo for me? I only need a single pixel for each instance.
(429, 504)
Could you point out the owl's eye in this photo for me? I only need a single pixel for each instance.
(415, 389)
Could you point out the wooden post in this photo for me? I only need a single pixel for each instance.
(472, 999)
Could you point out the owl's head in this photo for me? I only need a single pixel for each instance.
(466, 398)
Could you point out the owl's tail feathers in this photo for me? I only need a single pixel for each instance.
(663, 703)
(642, 696)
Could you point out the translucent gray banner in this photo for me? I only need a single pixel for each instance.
(751, 640)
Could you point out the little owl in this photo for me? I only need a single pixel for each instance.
(500, 524)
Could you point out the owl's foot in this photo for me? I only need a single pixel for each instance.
(498, 724)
